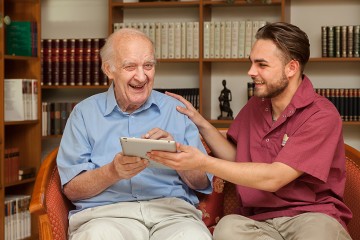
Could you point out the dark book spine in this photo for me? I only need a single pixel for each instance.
(55, 62)
(103, 78)
(357, 105)
(64, 61)
(346, 105)
(57, 120)
(323, 43)
(71, 62)
(351, 104)
(331, 39)
(250, 89)
(337, 42)
(342, 103)
(356, 41)
(63, 116)
(79, 61)
(47, 62)
(350, 41)
(87, 61)
(95, 61)
(343, 41)
(42, 61)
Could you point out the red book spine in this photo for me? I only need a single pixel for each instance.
(103, 78)
(79, 60)
(55, 62)
(87, 61)
(95, 61)
(47, 62)
(63, 59)
(71, 63)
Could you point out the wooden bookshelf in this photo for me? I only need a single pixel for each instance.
(25, 135)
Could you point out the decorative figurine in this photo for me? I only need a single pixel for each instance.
(224, 99)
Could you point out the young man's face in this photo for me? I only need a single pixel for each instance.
(267, 70)
(134, 73)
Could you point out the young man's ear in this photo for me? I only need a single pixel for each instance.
(292, 68)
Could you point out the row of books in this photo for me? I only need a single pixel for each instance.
(70, 62)
(340, 41)
(13, 171)
(230, 39)
(190, 94)
(173, 40)
(17, 217)
(54, 117)
(21, 38)
(11, 164)
(346, 100)
(21, 99)
(55, 114)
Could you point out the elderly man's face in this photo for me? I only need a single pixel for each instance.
(134, 73)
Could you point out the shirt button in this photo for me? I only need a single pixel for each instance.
(284, 116)
(266, 109)
(267, 140)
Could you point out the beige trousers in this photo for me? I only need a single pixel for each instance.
(307, 226)
(159, 219)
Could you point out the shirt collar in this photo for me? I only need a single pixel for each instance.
(304, 95)
(111, 103)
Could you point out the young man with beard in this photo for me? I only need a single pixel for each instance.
(284, 150)
(117, 196)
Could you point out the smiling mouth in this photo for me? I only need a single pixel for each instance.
(259, 82)
(137, 86)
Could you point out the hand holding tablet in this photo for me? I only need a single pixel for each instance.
(139, 147)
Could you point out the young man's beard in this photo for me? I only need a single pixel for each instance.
(274, 89)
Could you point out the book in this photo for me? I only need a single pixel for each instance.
(196, 40)
(189, 39)
(21, 38)
(158, 40)
(206, 39)
(177, 40)
(164, 40)
(87, 62)
(14, 100)
(227, 40)
(55, 62)
(242, 33)
(34, 99)
(171, 40)
(248, 37)
(234, 39)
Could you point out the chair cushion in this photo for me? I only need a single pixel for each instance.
(58, 207)
(212, 205)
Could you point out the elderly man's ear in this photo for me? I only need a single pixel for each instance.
(109, 70)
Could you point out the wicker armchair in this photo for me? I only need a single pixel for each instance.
(51, 207)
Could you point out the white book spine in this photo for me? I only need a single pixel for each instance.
(234, 39)
(248, 37)
(222, 39)
(212, 40)
(146, 29)
(158, 40)
(206, 40)
(171, 40)
(189, 40)
(34, 99)
(255, 27)
(217, 39)
(164, 40)
(241, 46)
(14, 100)
(196, 43)
(177, 40)
(183, 40)
(152, 32)
(227, 39)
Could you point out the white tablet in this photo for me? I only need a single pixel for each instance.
(139, 147)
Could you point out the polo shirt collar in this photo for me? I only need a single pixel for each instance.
(304, 95)
(111, 103)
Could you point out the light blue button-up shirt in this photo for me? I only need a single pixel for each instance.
(91, 140)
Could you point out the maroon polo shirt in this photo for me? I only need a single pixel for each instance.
(314, 145)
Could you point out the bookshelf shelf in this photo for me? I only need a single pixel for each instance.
(334, 60)
(30, 180)
(27, 122)
(76, 87)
